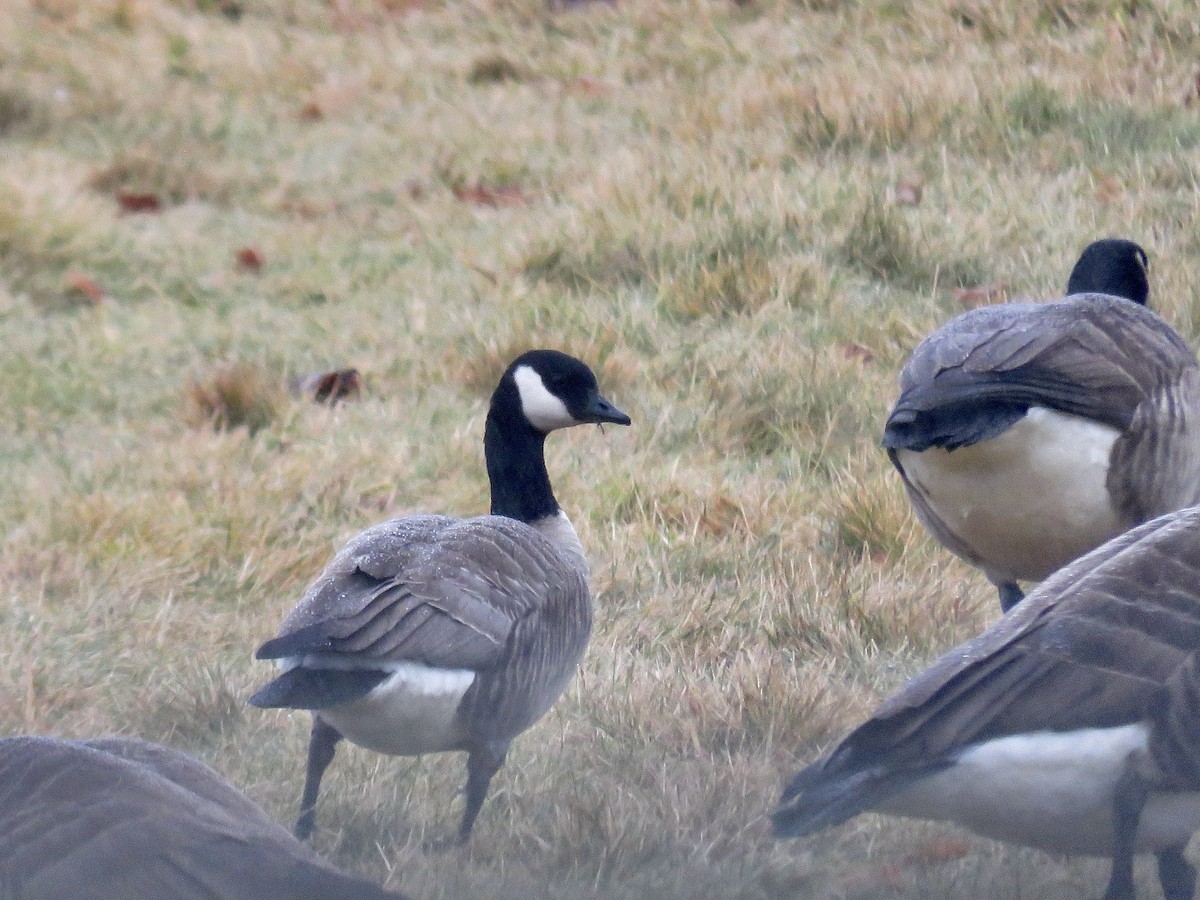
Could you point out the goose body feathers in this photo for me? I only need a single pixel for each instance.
(429, 608)
(1028, 433)
(124, 818)
(1033, 731)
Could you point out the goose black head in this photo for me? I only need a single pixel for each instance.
(1112, 266)
(554, 390)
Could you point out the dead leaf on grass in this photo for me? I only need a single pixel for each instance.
(984, 294)
(590, 87)
(481, 194)
(250, 259)
(85, 286)
(908, 193)
(329, 387)
(138, 202)
(852, 350)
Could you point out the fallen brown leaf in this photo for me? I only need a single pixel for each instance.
(969, 298)
(138, 202)
(329, 387)
(908, 193)
(414, 189)
(88, 287)
(852, 350)
(590, 87)
(250, 259)
(482, 194)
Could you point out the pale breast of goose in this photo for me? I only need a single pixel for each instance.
(1029, 433)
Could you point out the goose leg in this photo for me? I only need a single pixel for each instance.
(1010, 594)
(321, 746)
(1176, 875)
(1128, 803)
(483, 761)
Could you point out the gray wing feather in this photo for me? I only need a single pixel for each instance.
(1088, 648)
(432, 589)
(1090, 355)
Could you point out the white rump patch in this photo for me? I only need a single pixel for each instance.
(1052, 790)
(1030, 499)
(413, 711)
(543, 409)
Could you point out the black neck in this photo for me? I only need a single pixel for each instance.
(516, 467)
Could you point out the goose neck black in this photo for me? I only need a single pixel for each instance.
(516, 467)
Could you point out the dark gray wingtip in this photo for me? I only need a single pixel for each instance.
(302, 688)
(812, 801)
(950, 427)
(817, 798)
(303, 640)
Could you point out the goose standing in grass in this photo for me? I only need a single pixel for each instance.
(1029, 433)
(122, 818)
(429, 633)
(1070, 725)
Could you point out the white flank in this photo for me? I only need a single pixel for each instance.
(1028, 500)
(412, 712)
(1052, 790)
(543, 409)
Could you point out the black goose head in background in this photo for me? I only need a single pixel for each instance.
(1112, 266)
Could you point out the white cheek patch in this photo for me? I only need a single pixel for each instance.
(544, 411)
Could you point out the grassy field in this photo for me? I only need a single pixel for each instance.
(744, 215)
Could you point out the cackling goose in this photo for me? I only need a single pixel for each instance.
(429, 633)
(1029, 433)
(116, 817)
(1069, 725)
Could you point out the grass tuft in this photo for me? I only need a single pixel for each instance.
(231, 394)
(493, 69)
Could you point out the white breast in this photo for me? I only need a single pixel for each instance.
(1026, 501)
(1052, 790)
(412, 712)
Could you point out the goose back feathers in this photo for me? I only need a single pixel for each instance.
(1031, 731)
(430, 633)
(1027, 434)
(124, 818)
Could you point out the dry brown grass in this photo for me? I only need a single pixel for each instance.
(704, 200)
